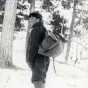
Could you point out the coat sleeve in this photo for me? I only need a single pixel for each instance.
(36, 39)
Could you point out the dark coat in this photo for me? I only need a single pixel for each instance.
(36, 37)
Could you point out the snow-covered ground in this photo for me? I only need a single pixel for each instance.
(66, 76)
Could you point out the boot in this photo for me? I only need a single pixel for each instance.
(39, 84)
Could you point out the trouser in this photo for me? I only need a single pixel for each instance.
(40, 69)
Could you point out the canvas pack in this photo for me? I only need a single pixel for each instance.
(51, 46)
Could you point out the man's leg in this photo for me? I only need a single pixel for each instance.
(39, 72)
(39, 84)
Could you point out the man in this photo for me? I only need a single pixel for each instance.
(38, 63)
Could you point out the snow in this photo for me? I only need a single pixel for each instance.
(66, 76)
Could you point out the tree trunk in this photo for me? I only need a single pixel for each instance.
(32, 7)
(7, 33)
(71, 31)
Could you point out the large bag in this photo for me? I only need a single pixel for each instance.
(51, 46)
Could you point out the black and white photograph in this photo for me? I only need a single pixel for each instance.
(43, 44)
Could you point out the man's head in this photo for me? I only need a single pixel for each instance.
(35, 17)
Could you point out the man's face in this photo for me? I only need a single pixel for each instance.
(33, 20)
